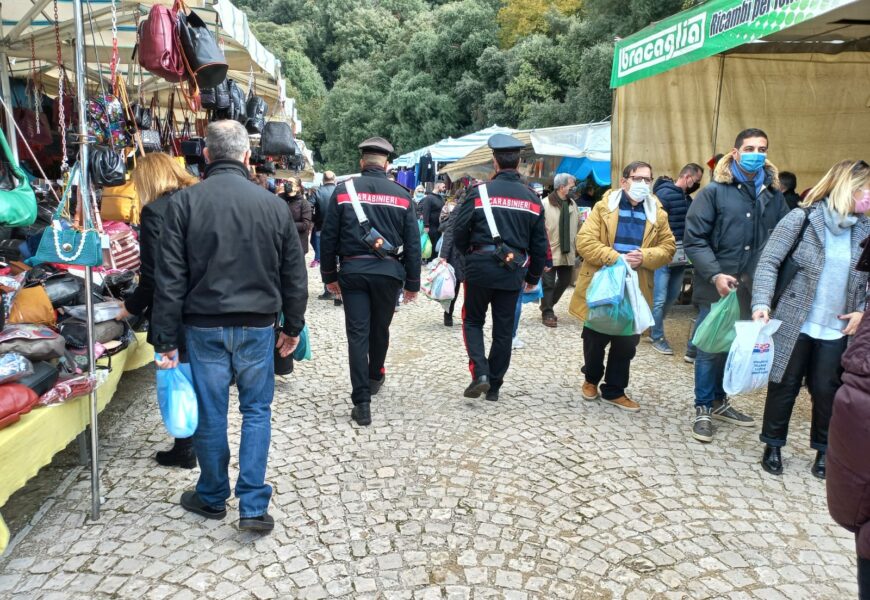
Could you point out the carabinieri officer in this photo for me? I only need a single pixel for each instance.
(505, 250)
(371, 233)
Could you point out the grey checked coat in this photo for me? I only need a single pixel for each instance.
(795, 303)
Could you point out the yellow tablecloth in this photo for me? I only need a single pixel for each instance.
(30, 444)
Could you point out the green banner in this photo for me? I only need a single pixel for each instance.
(705, 30)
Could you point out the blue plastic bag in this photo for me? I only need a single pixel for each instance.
(534, 295)
(612, 319)
(607, 285)
(303, 349)
(177, 400)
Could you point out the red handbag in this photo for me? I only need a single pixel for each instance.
(15, 400)
(159, 48)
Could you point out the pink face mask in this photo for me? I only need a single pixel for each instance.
(862, 204)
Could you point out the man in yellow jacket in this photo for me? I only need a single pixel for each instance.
(628, 222)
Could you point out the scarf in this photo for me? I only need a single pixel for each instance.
(739, 175)
(835, 222)
(564, 207)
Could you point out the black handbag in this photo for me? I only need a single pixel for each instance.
(216, 98)
(193, 147)
(277, 139)
(64, 289)
(151, 140)
(283, 364)
(201, 51)
(789, 268)
(75, 332)
(255, 113)
(42, 379)
(143, 115)
(107, 167)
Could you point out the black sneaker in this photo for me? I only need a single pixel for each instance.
(263, 523)
(181, 455)
(336, 302)
(492, 395)
(690, 356)
(702, 429)
(723, 411)
(448, 320)
(325, 296)
(375, 385)
(362, 414)
(191, 501)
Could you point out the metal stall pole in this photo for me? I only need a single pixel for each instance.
(11, 134)
(84, 199)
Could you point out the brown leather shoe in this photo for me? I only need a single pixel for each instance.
(625, 403)
(590, 391)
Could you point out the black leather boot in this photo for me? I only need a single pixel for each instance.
(181, 455)
(772, 460)
(478, 386)
(819, 469)
(362, 414)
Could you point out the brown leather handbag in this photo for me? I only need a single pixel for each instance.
(32, 305)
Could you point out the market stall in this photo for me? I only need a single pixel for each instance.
(582, 150)
(684, 87)
(74, 110)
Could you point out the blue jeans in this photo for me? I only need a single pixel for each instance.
(216, 354)
(709, 370)
(517, 314)
(315, 242)
(668, 283)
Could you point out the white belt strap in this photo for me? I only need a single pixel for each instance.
(487, 210)
(354, 200)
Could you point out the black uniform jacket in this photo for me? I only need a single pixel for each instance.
(519, 216)
(229, 256)
(390, 211)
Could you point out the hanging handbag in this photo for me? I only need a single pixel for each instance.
(120, 203)
(216, 98)
(123, 248)
(106, 120)
(158, 48)
(277, 139)
(255, 113)
(61, 243)
(108, 167)
(204, 59)
(18, 204)
(235, 109)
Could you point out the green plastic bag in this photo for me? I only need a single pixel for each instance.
(612, 319)
(303, 349)
(716, 333)
(426, 246)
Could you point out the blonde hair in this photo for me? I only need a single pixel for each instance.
(838, 185)
(157, 174)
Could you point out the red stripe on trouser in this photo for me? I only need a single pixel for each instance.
(464, 339)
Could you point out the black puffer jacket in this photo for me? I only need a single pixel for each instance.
(727, 227)
(675, 202)
(519, 217)
(229, 256)
(390, 211)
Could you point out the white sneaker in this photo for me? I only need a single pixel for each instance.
(517, 344)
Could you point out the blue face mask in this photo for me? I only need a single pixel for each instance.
(752, 161)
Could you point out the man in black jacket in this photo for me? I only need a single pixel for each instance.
(321, 205)
(498, 264)
(371, 232)
(230, 264)
(675, 199)
(727, 226)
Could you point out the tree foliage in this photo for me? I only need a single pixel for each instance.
(416, 71)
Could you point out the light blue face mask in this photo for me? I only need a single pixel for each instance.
(752, 161)
(418, 196)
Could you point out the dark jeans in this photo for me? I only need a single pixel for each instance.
(710, 368)
(668, 283)
(819, 362)
(555, 282)
(622, 351)
(863, 578)
(369, 305)
(216, 355)
(504, 304)
(315, 243)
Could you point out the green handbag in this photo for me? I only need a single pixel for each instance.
(62, 243)
(18, 205)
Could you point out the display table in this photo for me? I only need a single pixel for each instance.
(31, 443)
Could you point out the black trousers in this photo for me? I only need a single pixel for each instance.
(863, 578)
(622, 351)
(819, 362)
(369, 305)
(504, 303)
(452, 304)
(555, 282)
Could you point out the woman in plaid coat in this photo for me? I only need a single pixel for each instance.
(821, 307)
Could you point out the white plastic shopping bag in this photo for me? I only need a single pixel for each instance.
(440, 281)
(643, 317)
(751, 357)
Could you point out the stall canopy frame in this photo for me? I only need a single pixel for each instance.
(801, 78)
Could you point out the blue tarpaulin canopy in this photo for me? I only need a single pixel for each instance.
(581, 168)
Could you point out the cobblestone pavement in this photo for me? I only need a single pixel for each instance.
(540, 495)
